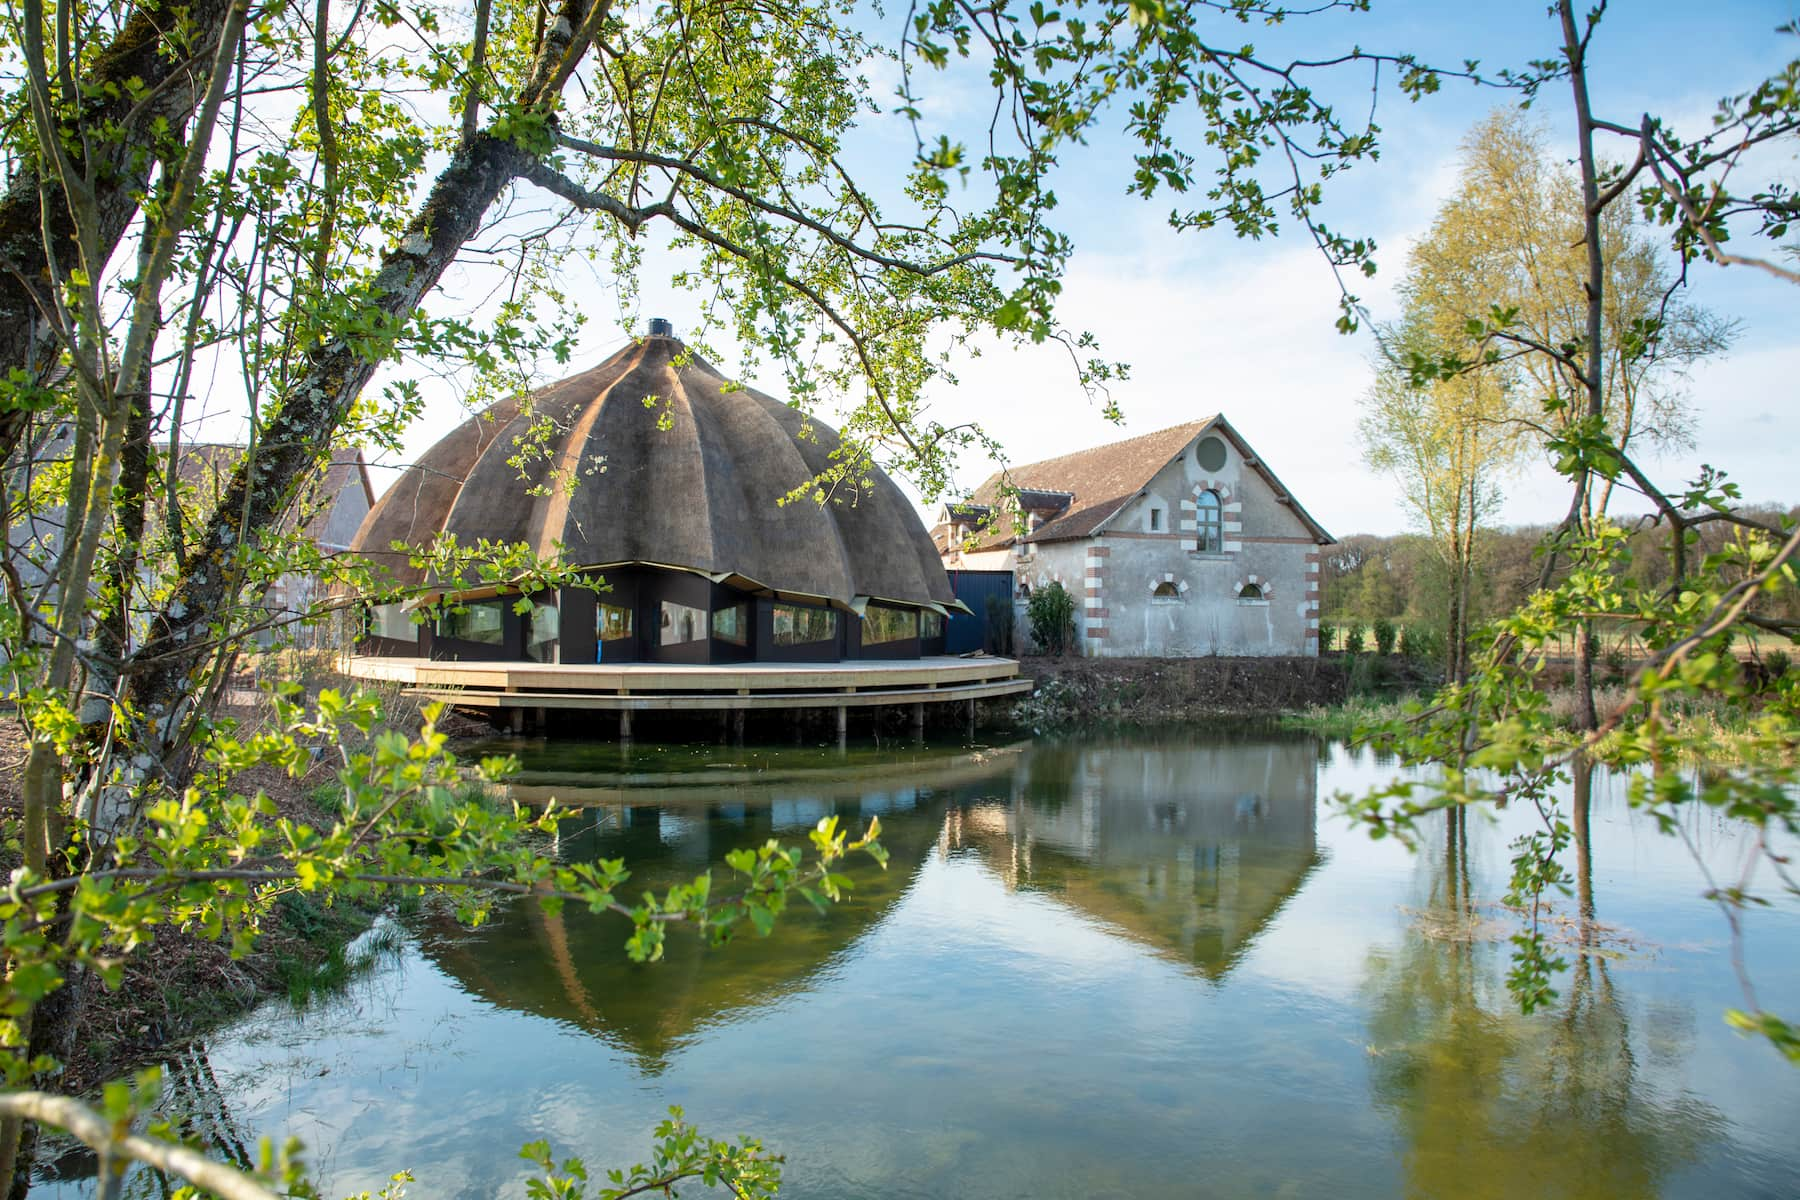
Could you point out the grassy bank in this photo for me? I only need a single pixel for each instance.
(1351, 718)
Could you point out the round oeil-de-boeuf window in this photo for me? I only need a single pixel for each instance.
(1210, 453)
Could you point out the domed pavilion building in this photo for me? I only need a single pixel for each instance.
(663, 484)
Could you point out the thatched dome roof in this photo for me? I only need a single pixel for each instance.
(650, 462)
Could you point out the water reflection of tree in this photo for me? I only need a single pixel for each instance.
(570, 966)
(195, 1105)
(1492, 1103)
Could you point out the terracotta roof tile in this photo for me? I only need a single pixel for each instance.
(1096, 482)
(1074, 494)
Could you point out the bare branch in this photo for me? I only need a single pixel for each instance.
(110, 1141)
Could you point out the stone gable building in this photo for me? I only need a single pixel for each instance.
(1179, 543)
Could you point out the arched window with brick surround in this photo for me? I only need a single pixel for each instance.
(1252, 590)
(1209, 527)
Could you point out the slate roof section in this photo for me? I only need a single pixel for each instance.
(1093, 485)
(206, 468)
(968, 514)
(652, 458)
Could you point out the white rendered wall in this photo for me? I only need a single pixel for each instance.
(1264, 543)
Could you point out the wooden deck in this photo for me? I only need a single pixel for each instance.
(647, 687)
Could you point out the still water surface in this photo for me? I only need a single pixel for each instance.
(1132, 966)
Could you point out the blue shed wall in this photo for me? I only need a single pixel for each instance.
(964, 633)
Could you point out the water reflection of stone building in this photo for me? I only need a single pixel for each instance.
(1190, 850)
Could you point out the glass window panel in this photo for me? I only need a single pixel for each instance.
(542, 630)
(681, 624)
(1166, 593)
(931, 625)
(392, 621)
(889, 625)
(612, 622)
(797, 626)
(1209, 525)
(1250, 592)
(732, 624)
(481, 621)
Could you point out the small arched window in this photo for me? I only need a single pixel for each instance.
(1166, 593)
(1024, 592)
(1250, 591)
(1208, 523)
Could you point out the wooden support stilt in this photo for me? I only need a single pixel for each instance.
(518, 720)
(918, 722)
(971, 718)
(624, 724)
(843, 725)
(737, 726)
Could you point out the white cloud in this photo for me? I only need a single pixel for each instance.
(1246, 334)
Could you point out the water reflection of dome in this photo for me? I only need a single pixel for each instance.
(1145, 838)
(573, 968)
(1167, 851)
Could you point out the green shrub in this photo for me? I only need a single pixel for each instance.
(1365, 675)
(1051, 612)
(1421, 643)
(1777, 662)
(1384, 636)
(1353, 637)
(1615, 660)
(1326, 633)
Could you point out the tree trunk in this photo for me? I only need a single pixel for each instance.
(1586, 718)
(1581, 807)
(118, 170)
(298, 439)
(1453, 633)
(1575, 52)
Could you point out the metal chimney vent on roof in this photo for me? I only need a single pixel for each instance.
(660, 327)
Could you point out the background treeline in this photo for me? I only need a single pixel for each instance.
(1400, 579)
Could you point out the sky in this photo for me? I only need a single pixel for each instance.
(1212, 324)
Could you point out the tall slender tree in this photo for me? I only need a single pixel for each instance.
(1510, 240)
(1703, 192)
(1449, 446)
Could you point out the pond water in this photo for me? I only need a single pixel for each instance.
(1112, 966)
